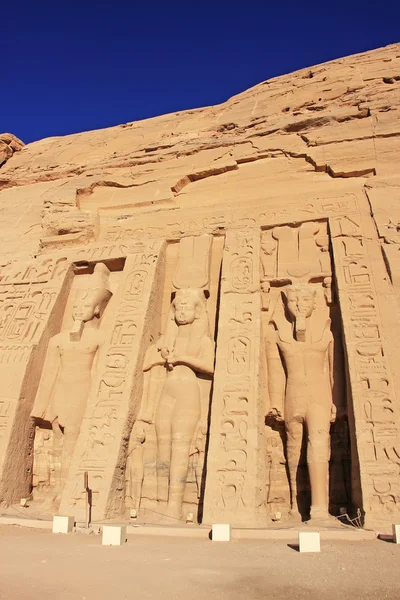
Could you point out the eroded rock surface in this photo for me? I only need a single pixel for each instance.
(268, 226)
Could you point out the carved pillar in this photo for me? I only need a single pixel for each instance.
(32, 302)
(374, 403)
(115, 397)
(235, 462)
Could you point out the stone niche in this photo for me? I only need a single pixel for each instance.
(166, 462)
(69, 370)
(307, 434)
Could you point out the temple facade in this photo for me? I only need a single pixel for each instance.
(199, 313)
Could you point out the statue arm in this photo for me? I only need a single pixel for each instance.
(153, 357)
(153, 384)
(100, 352)
(204, 363)
(49, 377)
(276, 376)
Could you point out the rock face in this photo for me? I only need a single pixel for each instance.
(8, 145)
(201, 310)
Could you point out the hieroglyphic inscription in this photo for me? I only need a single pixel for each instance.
(41, 270)
(5, 410)
(234, 441)
(99, 443)
(238, 407)
(241, 266)
(239, 219)
(28, 297)
(23, 312)
(375, 406)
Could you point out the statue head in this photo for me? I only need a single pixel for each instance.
(187, 305)
(188, 308)
(300, 300)
(90, 302)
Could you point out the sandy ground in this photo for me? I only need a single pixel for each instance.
(39, 564)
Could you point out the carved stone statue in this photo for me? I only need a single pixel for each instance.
(174, 400)
(135, 464)
(299, 349)
(67, 373)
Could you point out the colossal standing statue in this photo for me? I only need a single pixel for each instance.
(299, 349)
(67, 373)
(173, 398)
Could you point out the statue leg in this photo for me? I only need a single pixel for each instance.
(164, 441)
(58, 440)
(136, 475)
(183, 428)
(71, 435)
(294, 432)
(318, 454)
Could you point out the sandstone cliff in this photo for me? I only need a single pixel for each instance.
(274, 215)
(324, 131)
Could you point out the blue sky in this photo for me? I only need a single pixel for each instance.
(74, 66)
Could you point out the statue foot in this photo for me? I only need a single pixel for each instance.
(321, 516)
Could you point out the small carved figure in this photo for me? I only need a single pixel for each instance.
(299, 353)
(41, 472)
(275, 465)
(67, 373)
(135, 464)
(174, 400)
(198, 454)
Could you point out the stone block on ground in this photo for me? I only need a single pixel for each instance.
(309, 541)
(114, 535)
(63, 524)
(396, 533)
(221, 532)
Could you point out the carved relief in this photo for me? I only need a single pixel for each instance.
(232, 219)
(23, 309)
(193, 263)
(235, 451)
(5, 414)
(279, 327)
(29, 294)
(375, 409)
(295, 253)
(109, 412)
(42, 270)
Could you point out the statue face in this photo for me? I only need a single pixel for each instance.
(84, 309)
(300, 303)
(185, 310)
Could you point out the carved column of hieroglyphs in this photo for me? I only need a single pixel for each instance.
(116, 393)
(235, 445)
(31, 303)
(374, 402)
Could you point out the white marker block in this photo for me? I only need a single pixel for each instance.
(63, 524)
(396, 533)
(309, 541)
(114, 535)
(221, 533)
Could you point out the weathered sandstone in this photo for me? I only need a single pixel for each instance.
(201, 310)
